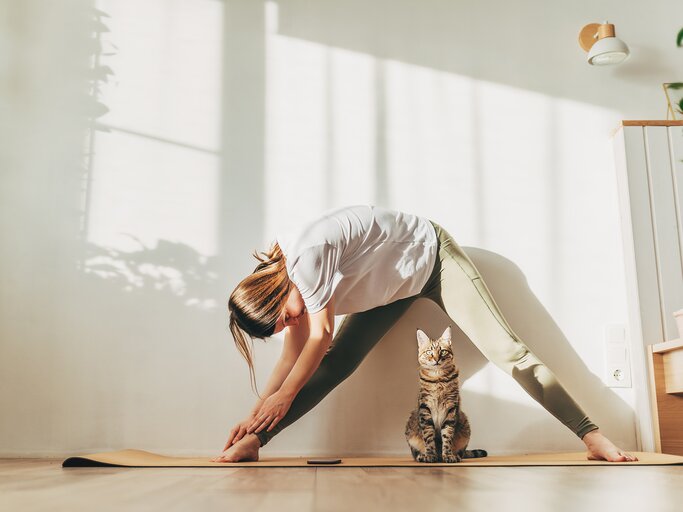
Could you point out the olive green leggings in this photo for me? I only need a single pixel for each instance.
(457, 287)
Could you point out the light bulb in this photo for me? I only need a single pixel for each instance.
(608, 58)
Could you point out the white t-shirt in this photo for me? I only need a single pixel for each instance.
(366, 256)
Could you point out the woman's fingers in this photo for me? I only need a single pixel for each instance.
(255, 427)
(257, 421)
(270, 423)
(240, 434)
(231, 436)
(275, 421)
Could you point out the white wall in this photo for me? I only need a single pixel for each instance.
(146, 148)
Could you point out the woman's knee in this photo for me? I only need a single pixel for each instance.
(507, 355)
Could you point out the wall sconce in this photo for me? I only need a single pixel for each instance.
(602, 46)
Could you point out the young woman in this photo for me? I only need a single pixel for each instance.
(370, 264)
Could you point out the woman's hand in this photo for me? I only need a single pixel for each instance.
(238, 431)
(271, 412)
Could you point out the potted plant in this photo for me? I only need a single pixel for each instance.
(675, 99)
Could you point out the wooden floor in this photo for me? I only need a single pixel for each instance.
(27, 485)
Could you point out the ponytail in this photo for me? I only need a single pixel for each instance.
(256, 303)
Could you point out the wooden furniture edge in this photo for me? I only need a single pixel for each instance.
(643, 124)
(654, 406)
(667, 346)
(651, 123)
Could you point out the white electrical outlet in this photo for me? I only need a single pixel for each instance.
(617, 360)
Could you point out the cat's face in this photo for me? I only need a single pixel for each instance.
(431, 353)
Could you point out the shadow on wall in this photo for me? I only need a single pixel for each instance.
(130, 340)
(136, 340)
(150, 311)
(532, 322)
(377, 398)
(153, 319)
(170, 267)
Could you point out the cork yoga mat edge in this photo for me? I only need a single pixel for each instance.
(140, 458)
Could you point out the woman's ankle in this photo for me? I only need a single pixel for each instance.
(591, 435)
(262, 439)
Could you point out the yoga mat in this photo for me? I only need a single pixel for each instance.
(139, 458)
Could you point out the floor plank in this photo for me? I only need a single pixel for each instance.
(29, 485)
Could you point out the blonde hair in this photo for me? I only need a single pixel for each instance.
(257, 302)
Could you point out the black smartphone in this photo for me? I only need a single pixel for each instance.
(323, 461)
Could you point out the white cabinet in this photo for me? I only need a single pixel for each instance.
(649, 166)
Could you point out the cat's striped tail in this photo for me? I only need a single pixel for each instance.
(474, 454)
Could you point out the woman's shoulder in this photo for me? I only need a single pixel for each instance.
(332, 226)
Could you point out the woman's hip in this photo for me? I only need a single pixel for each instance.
(449, 248)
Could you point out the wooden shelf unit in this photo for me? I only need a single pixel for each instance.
(649, 171)
(666, 389)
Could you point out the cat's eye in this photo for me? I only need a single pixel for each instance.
(429, 352)
(444, 352)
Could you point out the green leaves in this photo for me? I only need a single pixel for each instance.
(675, 85)
(679, 39)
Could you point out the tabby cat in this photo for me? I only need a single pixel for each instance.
(438, 430)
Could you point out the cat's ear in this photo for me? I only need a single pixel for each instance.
(422, 338)
(446, 336)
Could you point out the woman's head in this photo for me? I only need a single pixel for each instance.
(261, 303)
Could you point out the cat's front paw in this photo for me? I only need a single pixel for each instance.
(451, 458)
(427, 457)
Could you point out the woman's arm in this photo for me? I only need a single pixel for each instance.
(319, 340)
(295, 339)
(273, 409)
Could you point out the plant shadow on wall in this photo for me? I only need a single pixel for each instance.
(99, 73)
(168, 268)
(152, 314)
(137, 318)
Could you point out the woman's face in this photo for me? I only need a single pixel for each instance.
(292, 312)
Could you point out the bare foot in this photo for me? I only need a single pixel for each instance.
(601, 448)
(246, 449)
